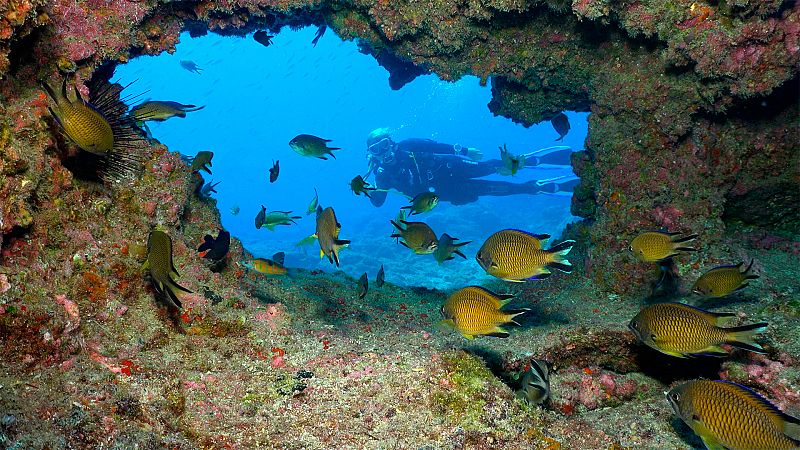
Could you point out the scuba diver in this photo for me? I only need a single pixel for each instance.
(413, 166)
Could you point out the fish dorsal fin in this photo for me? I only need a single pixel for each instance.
(541, 239)
(279, 258)
(499, 300)
(715, 318)
(780, 418)
(541, 369)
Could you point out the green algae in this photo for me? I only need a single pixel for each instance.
(463, 403)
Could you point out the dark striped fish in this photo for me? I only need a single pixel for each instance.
(381, 277)
(731, 416)
(162, 269)
(535, 386)
(475, 311)
(363, 286)
(682, 330)
(515, 255)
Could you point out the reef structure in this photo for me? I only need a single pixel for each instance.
(693, 128)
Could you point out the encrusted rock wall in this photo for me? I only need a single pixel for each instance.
(693, 128)
(675, 89)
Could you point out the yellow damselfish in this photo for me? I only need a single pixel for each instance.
(654, 246)
(723, 280)
(681, 330)
(476, 311)
(328, 234)
(515, 255)
(729, 416)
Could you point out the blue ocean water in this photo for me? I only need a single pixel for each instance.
(258, 98)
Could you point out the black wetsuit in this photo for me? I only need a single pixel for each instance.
(420, 165)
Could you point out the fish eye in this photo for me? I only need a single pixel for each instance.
(675, 397)
(653, 337)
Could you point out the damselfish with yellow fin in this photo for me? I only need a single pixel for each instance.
(654, 246)
(202, 161)
(447, 247)
(160, 110)
(161, 267)
(422, 203)
(417, 236)
(310, 145)
(726, 415)
(516, 255)
(274, 218)
(102, 127)
(681, 330)
(723, 280)
(476, 311)
(312, 206)
(328, 234)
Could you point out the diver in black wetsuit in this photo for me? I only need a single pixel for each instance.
(413, 166)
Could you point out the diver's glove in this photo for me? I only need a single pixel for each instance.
(474, 154)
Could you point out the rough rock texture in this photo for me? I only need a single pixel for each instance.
(693, 128)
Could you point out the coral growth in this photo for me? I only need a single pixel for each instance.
(692, 128)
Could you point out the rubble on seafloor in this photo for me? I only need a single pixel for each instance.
(692, 127)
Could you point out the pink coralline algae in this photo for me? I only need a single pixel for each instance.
(84, 30)
(4, 284)
(768, 375)
(73, 315)
(273, 315)
(592, 388)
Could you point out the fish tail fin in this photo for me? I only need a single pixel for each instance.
(58, 98)
(337, 245)
(174, 284)
(173, 298)
(747, 275)
(512, 313)
(498, 333)
(688, 238)
(791, 428)
(559, 256)
(743, 336)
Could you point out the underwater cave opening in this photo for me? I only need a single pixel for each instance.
(257, 98)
